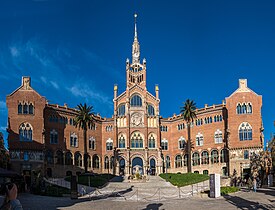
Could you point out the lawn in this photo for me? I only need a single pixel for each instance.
(96, 180)
(181, 180)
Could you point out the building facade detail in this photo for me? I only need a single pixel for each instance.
(136, 138)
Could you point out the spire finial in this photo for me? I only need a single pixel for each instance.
(135, 15)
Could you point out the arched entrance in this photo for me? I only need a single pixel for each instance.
(121, 166)
(137, 165)
(152, 170)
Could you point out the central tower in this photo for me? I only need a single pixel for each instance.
(136, 118)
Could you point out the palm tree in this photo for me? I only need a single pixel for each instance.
(188, 112)
(83, 120)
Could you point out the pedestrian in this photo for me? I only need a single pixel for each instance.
(255, 184)
(11, 202)
(249, 184)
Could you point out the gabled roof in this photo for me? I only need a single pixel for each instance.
(26, 85)
(243, 88)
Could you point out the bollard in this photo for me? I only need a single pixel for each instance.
(192, 191)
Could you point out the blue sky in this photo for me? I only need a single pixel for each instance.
(75, 51)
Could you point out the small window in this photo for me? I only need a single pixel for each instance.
(181, 143)
(152, 142)
(73, 140)
(164, 144)
(151, 110)
(136, 101)
(92, 143)
(245, 131)
(109, 144)
(20, 108)
(246, 154)
(121, 142)
(53, 137)
(199, 139)
(121, 110)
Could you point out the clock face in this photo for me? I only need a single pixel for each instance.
(136, 119)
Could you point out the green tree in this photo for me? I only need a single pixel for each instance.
(188, 112)
(84, 120)
(4, 154)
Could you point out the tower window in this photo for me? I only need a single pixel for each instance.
(136, 101)
(151, 110)
(245, 131)
(121, 110)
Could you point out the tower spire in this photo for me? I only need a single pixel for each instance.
(135, 46)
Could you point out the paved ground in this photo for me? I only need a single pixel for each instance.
(154, 194)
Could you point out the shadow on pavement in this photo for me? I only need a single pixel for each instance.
(153, 206)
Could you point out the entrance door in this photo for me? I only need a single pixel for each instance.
(121, 166)
(152, 170)
(137, 166)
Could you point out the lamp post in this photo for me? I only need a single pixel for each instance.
(166, 167)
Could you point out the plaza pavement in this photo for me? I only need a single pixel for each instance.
(264, 198)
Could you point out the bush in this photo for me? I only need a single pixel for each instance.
(227, 190)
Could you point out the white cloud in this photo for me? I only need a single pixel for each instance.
(54, 84)
(2, 105)
(3, 128)
(85, 91)
(43, 79)
(14, 51)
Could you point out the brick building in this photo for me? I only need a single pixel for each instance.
(136, 137)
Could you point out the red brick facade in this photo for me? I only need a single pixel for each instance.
(43, 135)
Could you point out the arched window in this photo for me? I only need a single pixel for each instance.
(223, 155)
(53, 137)
(243, 109)
(25, 132)
(218, 136)
(109, 144)
(68, 158)
(152, 142)
(92, 143)
(151, 110)
(245, 131)
(199, 139)
(185, 158)
(25, 108)
(205, 172)
(181, 143)
(20, 108)
(204, 157)
(78, 159)
(137, 140)
(30, 108)
(168, 162)
(136, 101)
(178, 161)
(121, 110)
(106, 163)
(249, 108)
(121, 141)
(73, 140)
(89, 161)
(49, 156)
(246, 154)
(196, 159)
(112, 162)
(214, 156)
(95, 161)
(59, 157)
(239, 109)
(164, 144)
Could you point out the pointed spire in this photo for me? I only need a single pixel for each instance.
(135, 15)
(135, 48)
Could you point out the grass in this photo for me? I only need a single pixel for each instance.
(181, 180)
(97, 180)
(227, 190)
